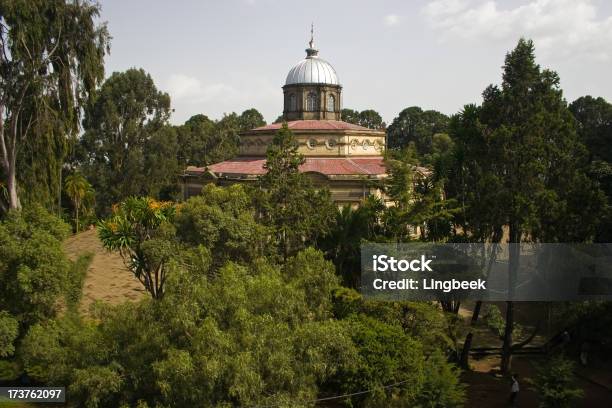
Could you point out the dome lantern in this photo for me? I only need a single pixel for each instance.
(312, 89)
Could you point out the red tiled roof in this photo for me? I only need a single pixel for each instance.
(315, 125)
(328, 166)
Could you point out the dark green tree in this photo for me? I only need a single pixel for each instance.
(532, 162)
(128, 148)
(417, 127)
(371, 119)
(197, 142)
(250, 119)
(291, 206)
(594, 119)
(350, 116)
(367, 118)
(352, 226)
(51, 61)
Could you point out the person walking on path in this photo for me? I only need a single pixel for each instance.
(514, 389)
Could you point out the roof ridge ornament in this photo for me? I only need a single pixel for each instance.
(311, 51)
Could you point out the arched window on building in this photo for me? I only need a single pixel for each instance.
(311, 102)
(331, 103)
(292, 103)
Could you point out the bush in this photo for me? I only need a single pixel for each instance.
(555, 382)
(250, 336)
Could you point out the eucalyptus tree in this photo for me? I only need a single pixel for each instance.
(51, 61)
(128, 148)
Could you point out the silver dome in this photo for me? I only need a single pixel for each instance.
(312, 70)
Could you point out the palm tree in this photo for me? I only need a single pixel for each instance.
(78, 188)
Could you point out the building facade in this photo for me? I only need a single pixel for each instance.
(346, 158)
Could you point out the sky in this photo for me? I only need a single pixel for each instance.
(216, 57)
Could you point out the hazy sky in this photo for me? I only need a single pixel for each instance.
(222, 56)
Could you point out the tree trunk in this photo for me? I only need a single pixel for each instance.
(464, 361)
(506, 359)
(11, 184)
(77, 218)
(476, 312)
(513, 264)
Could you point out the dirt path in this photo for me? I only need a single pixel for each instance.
(107, 278)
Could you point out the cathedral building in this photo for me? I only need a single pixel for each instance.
(346, 158)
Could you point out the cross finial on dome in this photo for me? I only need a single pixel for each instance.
(311, 51)
(311, 43)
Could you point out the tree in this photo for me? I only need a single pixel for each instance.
(197, 142)
(78, 189)
(37, 280)
(251, 119)
(367, 118)
(343, 242)
(418, 127)
(526, 151)
(51, 60)
(128, 148)
(291, 206)
(256, 335)
(140, 230)
(224, 221)
(555, 383)
(350, 116)
(371, 119)
(594, 116)
(594, 120)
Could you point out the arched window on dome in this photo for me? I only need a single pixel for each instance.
(292, 103)
(331, 103)
(311, 102)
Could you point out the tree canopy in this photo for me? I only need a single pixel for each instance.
(51, 62)
(415, 126)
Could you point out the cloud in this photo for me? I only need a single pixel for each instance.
(562, 28)
(391, 20)
(191, 95)
(181, 86)
(184, 87)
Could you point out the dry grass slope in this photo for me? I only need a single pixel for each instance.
(107, 279)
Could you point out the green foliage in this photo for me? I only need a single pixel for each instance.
(418, 200)
(9, 329)
(53, 60)
(442, 387)
(78, 272)
(594, 121)
(393, 367)
(222, 220)
(422, 321)
(249, 337)
(141, 230)
(203, 141)
(128, 148)
(367, 118)
(386, 356)
(352, 226)
(81, 194)
(34, 271)
(297, 212)
(416, 127)
(555, 383)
